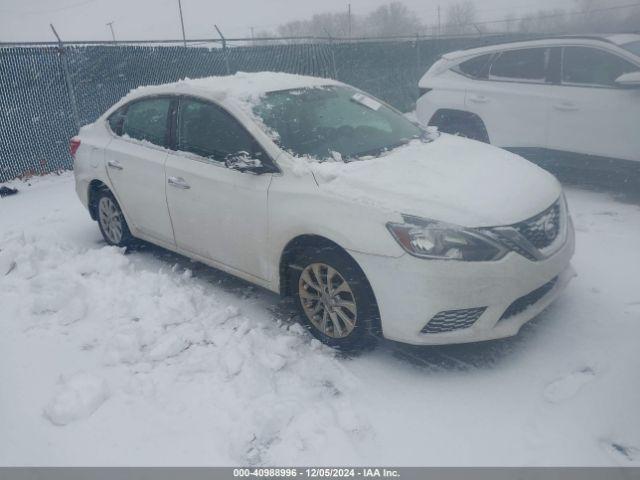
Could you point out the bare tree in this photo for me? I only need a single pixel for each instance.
(392, 19)
(388, 20)
(461, 18)
(320, 25)
(510, 23)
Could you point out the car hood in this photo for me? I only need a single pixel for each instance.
(449, 179)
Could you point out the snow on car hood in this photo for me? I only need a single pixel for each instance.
(450, 179)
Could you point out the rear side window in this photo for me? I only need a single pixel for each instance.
(528, 64)
(590, 66)
(116, 119)
(147, 120)
(209, 131)
(476, 67)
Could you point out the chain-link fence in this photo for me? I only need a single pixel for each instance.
(47, 92)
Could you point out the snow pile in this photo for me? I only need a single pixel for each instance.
(77, 397)
(183, 365)
(263, 391)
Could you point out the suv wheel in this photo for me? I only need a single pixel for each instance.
(335, 300)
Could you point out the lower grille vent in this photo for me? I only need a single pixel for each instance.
(531, 298)
(451, 320)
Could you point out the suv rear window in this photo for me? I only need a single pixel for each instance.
(527, 64)
(475, 67)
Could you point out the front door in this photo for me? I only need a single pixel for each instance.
(217, 212)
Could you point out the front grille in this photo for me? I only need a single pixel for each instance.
(531, 298)
(543, 229)
(451, 320)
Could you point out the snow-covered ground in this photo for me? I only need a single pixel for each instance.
(150, 359)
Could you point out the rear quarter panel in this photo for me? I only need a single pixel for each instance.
(447, 91)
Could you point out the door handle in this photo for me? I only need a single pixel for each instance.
(178, 182)
(565, 106)
(478, 98)
(115, 164)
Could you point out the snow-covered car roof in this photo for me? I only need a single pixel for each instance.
(242, 87)
(617, 39)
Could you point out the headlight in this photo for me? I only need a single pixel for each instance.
(425, 238)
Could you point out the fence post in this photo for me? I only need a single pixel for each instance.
(67, 78)
(224, 50)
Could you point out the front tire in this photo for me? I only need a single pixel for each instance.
(111, 221)
(335, 300)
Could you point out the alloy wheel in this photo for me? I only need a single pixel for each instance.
(110, 219)
(327, 300)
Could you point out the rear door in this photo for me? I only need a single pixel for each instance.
(217, 212)
(513, 98)
(135, 165)
(590, 114)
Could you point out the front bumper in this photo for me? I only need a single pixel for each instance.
(411, 291)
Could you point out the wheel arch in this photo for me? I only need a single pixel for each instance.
(95, 186)
(299, 243)
(446, 119)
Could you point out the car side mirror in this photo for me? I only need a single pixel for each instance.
(244, 162)
(631, 79)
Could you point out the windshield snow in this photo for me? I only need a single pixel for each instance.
(334, 122)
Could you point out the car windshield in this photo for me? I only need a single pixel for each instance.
(334, 122)
(633, 47)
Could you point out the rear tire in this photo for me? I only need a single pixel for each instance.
(111, 221)
(335, 300)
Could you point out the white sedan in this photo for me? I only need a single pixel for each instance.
(311, 188)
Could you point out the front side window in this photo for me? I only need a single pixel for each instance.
(528, 64)
(333, 122)
(590, 66)
(147, 120)
(209, 131)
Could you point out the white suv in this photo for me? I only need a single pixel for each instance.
(577, 99)
(311, 188)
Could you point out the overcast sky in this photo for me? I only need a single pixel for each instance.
(28, 20)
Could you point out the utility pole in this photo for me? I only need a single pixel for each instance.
(253, 37)
(184, 38)
(67, 78)
(113, 35)
(349, 17)
(439, 27)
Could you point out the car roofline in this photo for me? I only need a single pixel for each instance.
(530, 42)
